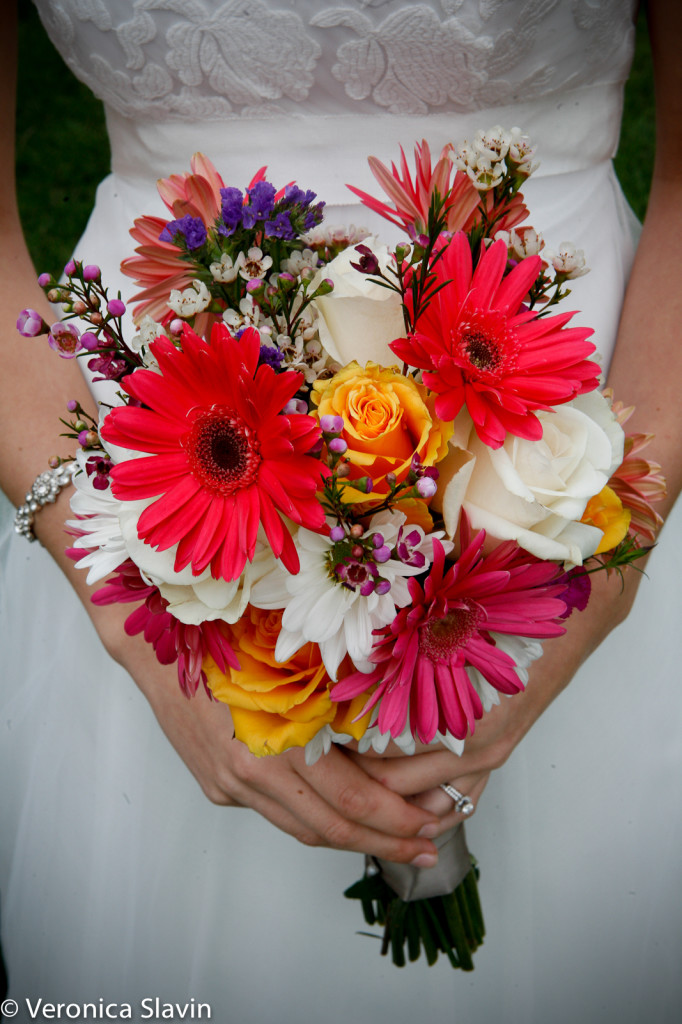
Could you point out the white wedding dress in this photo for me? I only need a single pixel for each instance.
(119, 880)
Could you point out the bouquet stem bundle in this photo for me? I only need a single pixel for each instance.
(419, 911)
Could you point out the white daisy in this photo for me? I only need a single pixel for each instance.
(346, 588)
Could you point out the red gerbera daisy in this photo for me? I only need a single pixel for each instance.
(424, 657)
(223, 456)
(480, 347)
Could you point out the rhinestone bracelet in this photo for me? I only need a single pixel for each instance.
(45, 490)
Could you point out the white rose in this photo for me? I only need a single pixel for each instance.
(359, 318)
(534, 492)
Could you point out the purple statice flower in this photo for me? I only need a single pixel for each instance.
(65, 340)
(270, 356)
(231, 210)
(280, 226)
(192, 229)
(30, 324)
(313, 217)
(295, 195)
(261, 203)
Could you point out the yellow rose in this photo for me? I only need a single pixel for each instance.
(275, 705)
(605, 511)
(388, 418)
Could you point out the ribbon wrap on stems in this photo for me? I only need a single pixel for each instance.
(435, 909)
(411, 883)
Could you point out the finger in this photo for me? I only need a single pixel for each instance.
(440, 803)
(334, 798)
(360, 798)
(410, 775)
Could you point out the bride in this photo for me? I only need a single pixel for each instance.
(120, 879)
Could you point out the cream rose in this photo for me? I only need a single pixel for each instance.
(534, 492)
(359, 318)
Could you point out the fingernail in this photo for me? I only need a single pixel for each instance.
(425, 860)
(428, 831)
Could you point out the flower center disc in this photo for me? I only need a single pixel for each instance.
(223, 451)
(440, 638)
(486, 346)
(481, 351)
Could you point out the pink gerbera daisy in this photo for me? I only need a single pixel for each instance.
(425, 658)
(481, 347)
(411, 197)
(224, 458)
(638, 483)
(159, 266)
(172, 640)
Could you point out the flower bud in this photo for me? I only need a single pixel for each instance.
(295, 407)
(91, 272)
(338, 446)
(337, 533)
(45, 280)
(30, 324)
(324, 288)
(331, 424)
(89, 341)
(426, 487)
(116, 307)
(356, 531)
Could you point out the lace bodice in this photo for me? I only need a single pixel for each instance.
(225, 59)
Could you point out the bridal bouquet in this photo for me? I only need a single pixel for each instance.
(350, 490)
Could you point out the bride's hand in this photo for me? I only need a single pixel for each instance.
(497, 734)
(332, 803)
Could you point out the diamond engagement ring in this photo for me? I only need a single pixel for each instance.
(463, 804)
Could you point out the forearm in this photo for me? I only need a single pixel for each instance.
(647, 366)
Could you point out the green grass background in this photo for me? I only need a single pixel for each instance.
(63, 152)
